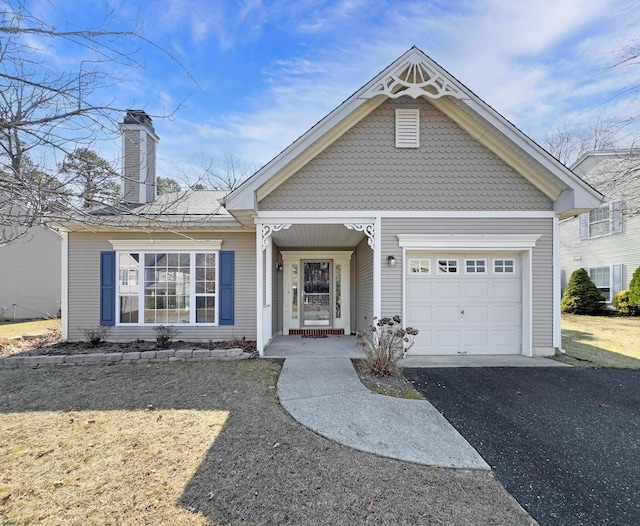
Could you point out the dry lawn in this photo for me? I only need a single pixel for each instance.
(601, 341)
(98, 467)
(217, 448)
(11, 329)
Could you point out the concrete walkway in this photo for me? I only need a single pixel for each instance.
(326, 395)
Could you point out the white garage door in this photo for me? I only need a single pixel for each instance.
(464, 303)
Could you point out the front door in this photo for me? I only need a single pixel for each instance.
(316, 296)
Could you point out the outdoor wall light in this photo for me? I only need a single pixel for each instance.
(279, 267)
(391, 261)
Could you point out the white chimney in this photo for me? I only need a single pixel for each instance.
(139, 150)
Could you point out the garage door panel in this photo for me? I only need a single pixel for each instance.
(505, 314)
(418, 315)
(476, 314)
(506, 289)
(423, 340)
(446, 290)
(506, 339)
(476, 290)
(445, 339)
(475, 339)
(419, 290)
(447, 314)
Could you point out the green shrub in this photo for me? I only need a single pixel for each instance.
(621, 303)
(634, 289)
(581, 295)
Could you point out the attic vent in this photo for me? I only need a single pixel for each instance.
(407, 128)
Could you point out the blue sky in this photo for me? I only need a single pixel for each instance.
(266, 71)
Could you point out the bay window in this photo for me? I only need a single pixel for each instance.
(172, 287)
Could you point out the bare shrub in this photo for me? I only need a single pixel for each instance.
(385, 343)
(96, 335)
(165, 335)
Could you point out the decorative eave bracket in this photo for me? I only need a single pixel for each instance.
(414, 78)
(368, 229)
(267, 230)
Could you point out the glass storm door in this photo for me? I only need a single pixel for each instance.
(316, 297)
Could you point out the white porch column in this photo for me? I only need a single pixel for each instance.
(64, 292)
(259, 285)
(377, 269)
(268, 300)
(557, 286)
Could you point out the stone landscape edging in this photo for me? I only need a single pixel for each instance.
(133, 357)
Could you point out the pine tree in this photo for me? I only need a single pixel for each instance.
(581, 295)
(634, 289)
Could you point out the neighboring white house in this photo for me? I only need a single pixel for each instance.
(606, 241)
(30, 275)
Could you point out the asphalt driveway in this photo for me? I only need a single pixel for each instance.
(564, 442)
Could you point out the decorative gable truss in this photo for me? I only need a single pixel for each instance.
(414, 77)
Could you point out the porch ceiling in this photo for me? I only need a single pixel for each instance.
(320, 236)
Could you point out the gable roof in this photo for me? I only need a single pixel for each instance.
(414, 74)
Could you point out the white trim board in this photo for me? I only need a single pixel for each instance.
(178, 244)
(355, 216)
(468, 242)
(64, 288)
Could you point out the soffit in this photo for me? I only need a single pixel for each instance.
(317, 236)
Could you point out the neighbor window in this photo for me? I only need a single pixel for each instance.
(601, 277)
(602, 221)
(178, 287)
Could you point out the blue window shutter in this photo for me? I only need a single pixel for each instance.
(584, 225)
(225, 289)
(616, 217)
(616, 280)
(107, 288)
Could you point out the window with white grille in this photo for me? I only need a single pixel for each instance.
(407, 128)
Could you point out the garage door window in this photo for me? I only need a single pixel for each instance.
(447, 266)
(419, 266)
(504, 266)
(475, 266)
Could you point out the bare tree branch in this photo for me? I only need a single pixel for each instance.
(48, 114)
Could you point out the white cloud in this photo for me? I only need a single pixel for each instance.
(534, 61)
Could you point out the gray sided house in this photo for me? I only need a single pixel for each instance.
(30, 269)
(606, 240)
(413, 197)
